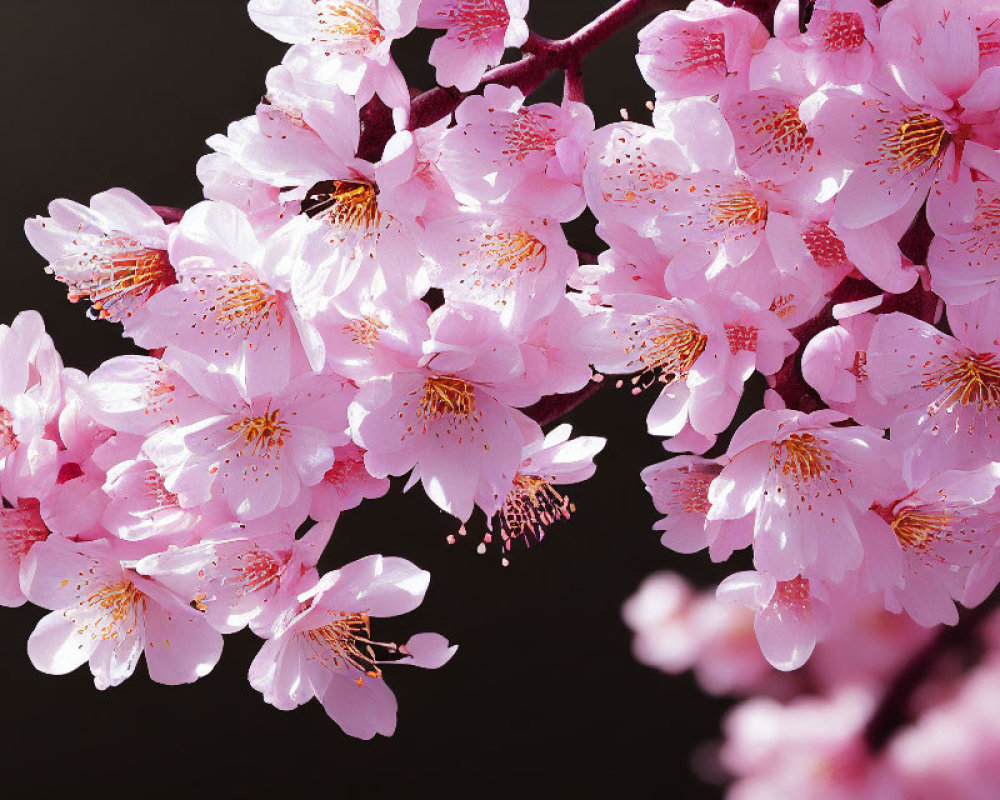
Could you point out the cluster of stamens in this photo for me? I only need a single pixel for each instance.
(663, 349)
(444, 396)
(352, 21)
(972, 379)
(802, 457)
(263, 435)
(346, 643)
(915, 143)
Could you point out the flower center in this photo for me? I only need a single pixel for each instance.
(741, 207)
(344, 204)
(529, 132)
(21, 529)
(353, 21)
(844, 30)
(256, 569)
(786, 132)
(801, 456)
(742, 338)
(704, 51)
(824, 246)
(117, 607)
(243, 304)
(919, 139)
(532, 504)
(261, 434)
(690, 491)
(8, 439)
(971, 380)
(345, 470)
(918, 527)
(157, 491)
(476, 20)
(345, 642)
(365, 331)
(120, 280)
(664, 351)
(447, 397)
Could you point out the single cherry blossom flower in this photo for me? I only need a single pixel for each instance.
(806, 483)
(112, 254)
(700, 51)
(326, 649)
(345, 485)
(106, 613)
(477, 33)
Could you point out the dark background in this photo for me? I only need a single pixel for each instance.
(543, 693)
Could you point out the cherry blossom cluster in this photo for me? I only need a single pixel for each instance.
(379, 284)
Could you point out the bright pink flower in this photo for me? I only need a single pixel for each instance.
(478, 31)
(326, 650)
(106, 613)
(410, 181)
(529, 156)
(806, 482)
(701, 51)
(452, 420)
(112, 254)
(256, 452)
(233, 295)
(345, 484)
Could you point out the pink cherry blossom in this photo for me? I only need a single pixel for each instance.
(806, 483)
(112, 254)
(345, 485)
(530, 156)
(700, 51)
(326, 650)
(478, 31)
(106, 613)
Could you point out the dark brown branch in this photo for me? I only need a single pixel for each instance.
(551, 408)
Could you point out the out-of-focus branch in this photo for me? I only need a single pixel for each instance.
(893, 712)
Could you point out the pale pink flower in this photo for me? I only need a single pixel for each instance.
(806, 482)
(21, 528)
(897, 148)
(112, 254)
(478, 31)
(922, 539)
(349, 39)
(255, 452)
(512, 264)
(106, 613)
(412, 185)
(700, 351)
(345, 484)
(679, 184)
(679, 488)
(303, 132)
(676, 629)
(837, 46)
(945, 390)
(534, 503)
(556, 353)
(530, 156)
(704, 50)
(31, 398)
(453, 419)
(326, 649)
(964, 256)
(237, 570)
(835, 364)
(788, 617)
(232, 304)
